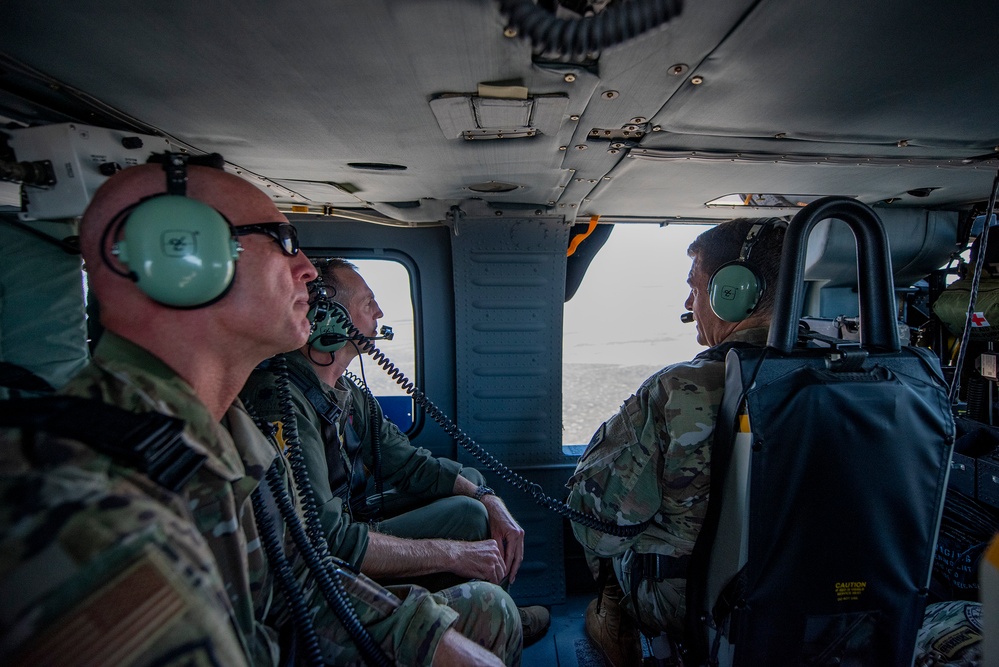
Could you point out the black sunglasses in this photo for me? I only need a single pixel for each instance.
(283, 233)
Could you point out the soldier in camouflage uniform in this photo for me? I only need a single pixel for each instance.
(650, 461)
(100, 564)
(951, 635)
(440, 525)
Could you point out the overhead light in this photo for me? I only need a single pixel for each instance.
(493, 187)
(754, 200)
(377, 166)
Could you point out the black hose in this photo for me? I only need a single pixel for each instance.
(590, 34)
(310, 539)
(301, 616)
(532, 489)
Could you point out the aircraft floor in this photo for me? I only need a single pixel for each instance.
(566, 643)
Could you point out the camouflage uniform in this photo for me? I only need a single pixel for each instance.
(406, 622)
(409, 469)
(650, 462)
(951, 635)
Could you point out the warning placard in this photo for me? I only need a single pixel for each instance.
(849, 590)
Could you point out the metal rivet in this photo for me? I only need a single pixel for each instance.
(579, 180)
(607, 178)
(593, 180)
(499, 213)
(638, 119)
(678, 69)
(581, 147)
(537, 211)
(610, 95)
(562, 148)
(569, 78)
(510, 31)
(657, 128)
(697, 80)
(613, 151)
(617, 145)
(574, 117)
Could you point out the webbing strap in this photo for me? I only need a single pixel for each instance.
(149, 442)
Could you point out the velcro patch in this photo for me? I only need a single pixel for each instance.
(114, 624)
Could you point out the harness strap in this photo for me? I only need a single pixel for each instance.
(149, 442)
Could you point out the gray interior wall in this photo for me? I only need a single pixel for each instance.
(509, 280)
(42, 318)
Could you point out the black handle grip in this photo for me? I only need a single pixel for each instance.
(878, 328)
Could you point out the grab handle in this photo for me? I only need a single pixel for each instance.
(878, 328)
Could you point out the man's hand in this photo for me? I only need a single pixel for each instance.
(476, 560)
(455, 650)
(507, 533)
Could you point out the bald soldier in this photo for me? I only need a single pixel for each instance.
(126, 549)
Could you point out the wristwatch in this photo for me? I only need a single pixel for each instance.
(483, 490)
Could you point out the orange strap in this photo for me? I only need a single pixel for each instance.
(579, 238)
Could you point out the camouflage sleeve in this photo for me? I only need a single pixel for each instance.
(348, 540)
(617, 478)
(413, 470)
(96, 572)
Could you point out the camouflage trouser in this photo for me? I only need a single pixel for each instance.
(488, 616)
(951, 635)
(661, 605)
(480, 611)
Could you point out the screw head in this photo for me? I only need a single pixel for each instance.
(569, 78)
(678, 70)
(574, 117)
(697, 80)
(610, 95)
(581, 147)
(510, 31)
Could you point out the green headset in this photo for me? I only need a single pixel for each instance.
(330, 323)
(179, 251)
(736, 288)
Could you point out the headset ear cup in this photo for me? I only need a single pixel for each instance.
(330, 333)
(734, 291)
(180, 251)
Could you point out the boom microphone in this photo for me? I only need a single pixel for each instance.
(687, 317)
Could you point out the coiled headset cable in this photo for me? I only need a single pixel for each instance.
(309, 538)
(532, 489)
(301, 616)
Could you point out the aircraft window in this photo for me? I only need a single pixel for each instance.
(391, 284)
(623, 324)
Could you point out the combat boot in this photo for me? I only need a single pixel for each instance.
(534, 621)
(613, 632)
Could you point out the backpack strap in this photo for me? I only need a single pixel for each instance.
(327, 410)
(149, 442)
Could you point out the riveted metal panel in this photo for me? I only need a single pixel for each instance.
(509, 279)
